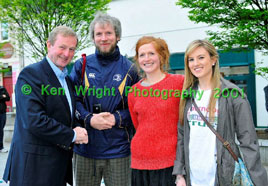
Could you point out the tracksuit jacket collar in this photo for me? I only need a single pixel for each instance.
(105, 60)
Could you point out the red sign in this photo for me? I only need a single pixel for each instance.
(8, 50)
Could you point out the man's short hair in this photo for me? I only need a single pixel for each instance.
(62, 30)
(103, 18)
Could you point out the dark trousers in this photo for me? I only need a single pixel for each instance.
(2, 125)
(161, 177)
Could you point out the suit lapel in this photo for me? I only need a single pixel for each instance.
(54, 82)
(71, 90)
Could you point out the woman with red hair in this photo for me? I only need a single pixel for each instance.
(154, 107)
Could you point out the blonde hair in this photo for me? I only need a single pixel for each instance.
(161, 48)
(190, 79)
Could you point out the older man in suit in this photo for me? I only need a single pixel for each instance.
(41, 149)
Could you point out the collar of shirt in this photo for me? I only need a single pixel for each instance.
(60, 74)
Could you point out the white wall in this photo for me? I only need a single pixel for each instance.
(262, 114)
(160, 18)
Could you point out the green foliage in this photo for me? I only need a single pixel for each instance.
(242, 23)
(261, 71)
(1, 53)
(31, 21)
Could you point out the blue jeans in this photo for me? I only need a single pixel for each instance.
(3, 118)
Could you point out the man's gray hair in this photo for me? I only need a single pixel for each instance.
(62, 30)
(103, 18)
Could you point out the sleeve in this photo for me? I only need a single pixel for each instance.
(247, 137)
(122, 117)
(179, 164)
(82, 114)
(131, 110)
(181, 81)
(134, 75)
(31, 110)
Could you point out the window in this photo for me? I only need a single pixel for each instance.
(4, 31)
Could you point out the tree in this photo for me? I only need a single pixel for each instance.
(262, 71)
(1, 53)
(31, 21)
(243, 23)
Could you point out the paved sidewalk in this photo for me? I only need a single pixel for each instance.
(3, 158)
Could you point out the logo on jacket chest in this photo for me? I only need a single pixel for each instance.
(117, 77)
(91, 75)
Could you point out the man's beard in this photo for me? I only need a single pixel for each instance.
(112, 49)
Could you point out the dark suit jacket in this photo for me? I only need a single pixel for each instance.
(41, 149)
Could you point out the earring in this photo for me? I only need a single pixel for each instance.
(213, 64)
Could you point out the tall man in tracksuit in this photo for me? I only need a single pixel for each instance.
(101, 100)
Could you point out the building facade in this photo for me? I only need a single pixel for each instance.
(10, 63)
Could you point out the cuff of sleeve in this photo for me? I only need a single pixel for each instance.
(118, 119)
(74, 138)
(178, 169)
(87, 120)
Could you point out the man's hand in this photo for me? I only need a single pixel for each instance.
(110, 118)
(81, 135)
(102, 121)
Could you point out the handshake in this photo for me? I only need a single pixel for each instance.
(81, 135)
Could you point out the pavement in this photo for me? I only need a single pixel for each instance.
(3, 159)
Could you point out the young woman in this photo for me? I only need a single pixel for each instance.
(154, 107)
(201, 159)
